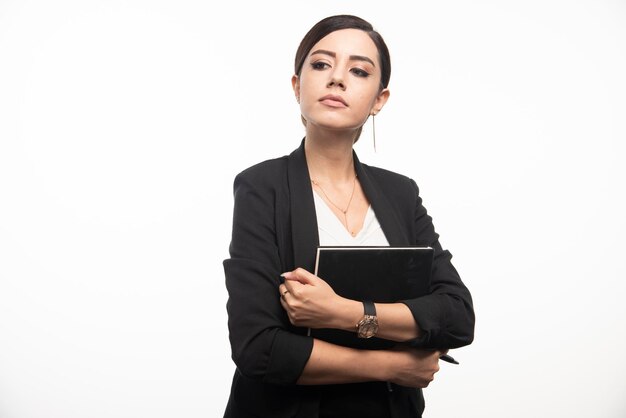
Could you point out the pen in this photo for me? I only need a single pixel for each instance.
(448, 358)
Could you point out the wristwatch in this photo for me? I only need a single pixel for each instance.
(367, 327)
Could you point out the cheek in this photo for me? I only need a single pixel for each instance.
(306, 95)
(307, 101)
(366, 102)
(309, 82)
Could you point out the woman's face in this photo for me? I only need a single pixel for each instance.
(339, 85)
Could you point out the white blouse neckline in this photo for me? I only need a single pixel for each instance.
(333, 232)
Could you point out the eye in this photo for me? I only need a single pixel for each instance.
(319, 65)
(360, 72)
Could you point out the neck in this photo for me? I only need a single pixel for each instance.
(329, 158)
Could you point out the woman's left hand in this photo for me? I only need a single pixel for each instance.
(310, 302)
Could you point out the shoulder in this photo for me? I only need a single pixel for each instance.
(258, 187)
(390, 179)
(264, 173)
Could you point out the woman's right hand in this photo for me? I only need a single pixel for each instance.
(413, 367)
(310, 302)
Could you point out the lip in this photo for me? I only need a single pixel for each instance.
(333, 101)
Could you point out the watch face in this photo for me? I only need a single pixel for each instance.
(368, 326)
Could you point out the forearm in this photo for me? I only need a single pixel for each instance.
(310, 302)
(333, 364)
(395, 320)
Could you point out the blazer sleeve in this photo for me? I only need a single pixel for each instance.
(262, 345)
(446, 315)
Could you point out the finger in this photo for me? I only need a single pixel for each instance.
(438, 353)
(283, 290)
(283, 303)
(301, 275)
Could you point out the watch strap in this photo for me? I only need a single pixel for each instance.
(369, 308)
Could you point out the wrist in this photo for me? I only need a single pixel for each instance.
(367, 327)
(348, 313)
(383, 361)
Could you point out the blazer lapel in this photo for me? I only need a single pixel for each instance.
(385, 213)
(302, 207)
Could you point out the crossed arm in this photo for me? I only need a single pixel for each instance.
(310, 302)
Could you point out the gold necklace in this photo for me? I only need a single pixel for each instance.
(344, 211)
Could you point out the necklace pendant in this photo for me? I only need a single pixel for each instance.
(342, 210)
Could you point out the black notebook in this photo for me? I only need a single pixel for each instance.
(379, 274)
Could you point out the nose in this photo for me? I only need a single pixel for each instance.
(336, 81)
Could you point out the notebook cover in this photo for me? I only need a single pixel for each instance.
(379, 274)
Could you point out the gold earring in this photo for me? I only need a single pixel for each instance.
(374, 130)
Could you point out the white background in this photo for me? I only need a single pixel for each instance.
(123, 123)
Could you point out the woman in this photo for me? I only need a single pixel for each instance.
(322, 195)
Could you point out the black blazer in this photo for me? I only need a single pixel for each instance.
(275, 230)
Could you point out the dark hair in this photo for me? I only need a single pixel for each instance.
(338, 22)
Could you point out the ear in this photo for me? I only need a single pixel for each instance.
(380, 101)
(295, 84)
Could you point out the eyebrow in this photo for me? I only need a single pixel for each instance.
(352, 57)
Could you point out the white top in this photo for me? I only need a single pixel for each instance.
(333, 233)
